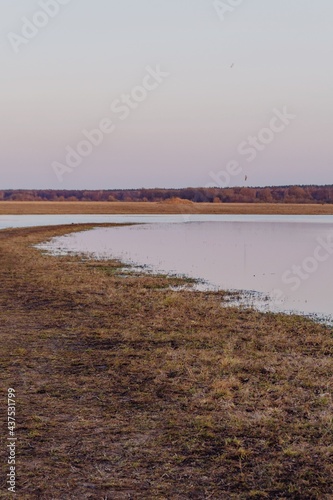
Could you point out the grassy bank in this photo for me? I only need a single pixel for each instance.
(126, 389)
(40, 207)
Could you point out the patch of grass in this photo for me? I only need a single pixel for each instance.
(89, 207)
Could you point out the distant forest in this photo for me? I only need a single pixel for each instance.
(284, 194)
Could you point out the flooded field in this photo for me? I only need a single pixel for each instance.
(281, 263)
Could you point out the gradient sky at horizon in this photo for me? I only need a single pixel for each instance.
(226, 78)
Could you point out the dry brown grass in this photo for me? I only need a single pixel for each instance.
(126, 389)
(39, 207)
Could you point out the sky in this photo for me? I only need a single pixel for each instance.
(110, 94)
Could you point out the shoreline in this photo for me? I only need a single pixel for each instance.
(166, 394)
(245, 299)
(145, 208)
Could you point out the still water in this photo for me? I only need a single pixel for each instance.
(283, 263)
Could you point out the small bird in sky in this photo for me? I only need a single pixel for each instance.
(245, 178)
(232, 65)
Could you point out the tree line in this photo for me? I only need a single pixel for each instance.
(283, 194)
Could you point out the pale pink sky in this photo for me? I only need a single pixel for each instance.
(226, 76)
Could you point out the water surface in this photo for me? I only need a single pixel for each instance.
(12, 221)
(285, 261)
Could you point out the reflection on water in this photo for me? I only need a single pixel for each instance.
(280, 260)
